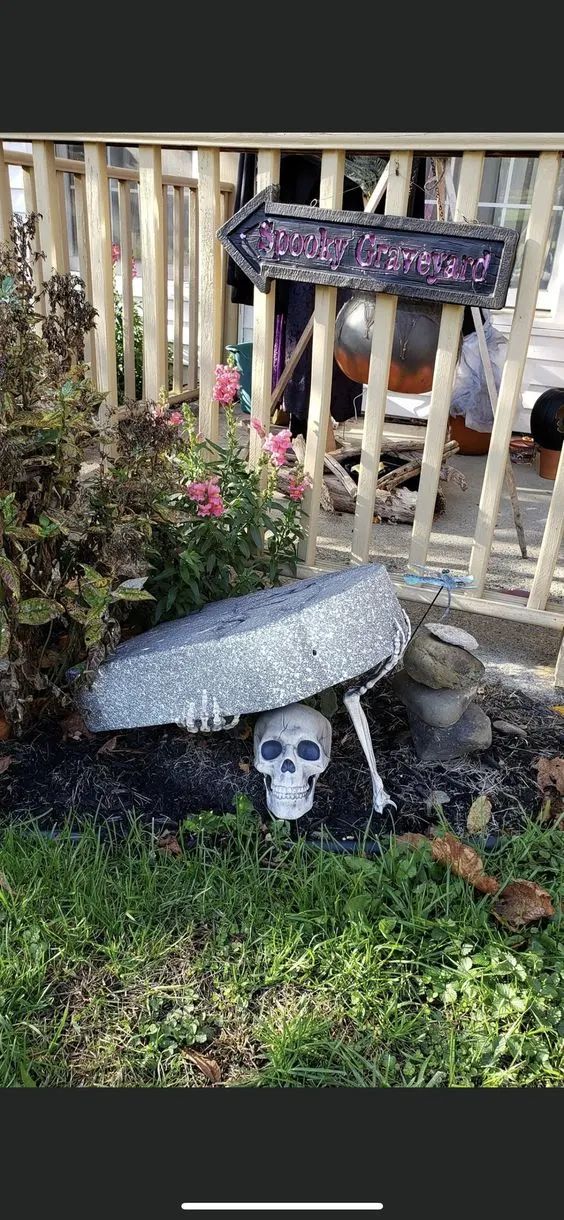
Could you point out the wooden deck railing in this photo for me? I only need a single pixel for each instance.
(210, 200)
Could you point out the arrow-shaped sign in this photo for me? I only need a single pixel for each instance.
(431, 259)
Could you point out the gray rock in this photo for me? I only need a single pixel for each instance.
(472, 732)
(441, 666)
(439, 708)
(250, 654)
(453, 635)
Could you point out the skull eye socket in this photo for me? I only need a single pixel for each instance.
(270, 750)
(309, 750)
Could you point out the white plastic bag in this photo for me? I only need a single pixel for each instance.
(470, 396)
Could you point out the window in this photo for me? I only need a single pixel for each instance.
(505, 200)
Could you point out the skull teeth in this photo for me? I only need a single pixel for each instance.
(285, 794)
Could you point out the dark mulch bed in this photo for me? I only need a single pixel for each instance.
(162, 775)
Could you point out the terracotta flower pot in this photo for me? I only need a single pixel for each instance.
(470, 442)
(548, 462)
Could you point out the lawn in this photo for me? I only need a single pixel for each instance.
(249, 960)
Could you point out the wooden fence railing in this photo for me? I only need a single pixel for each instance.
(44, 176)
(210, 200)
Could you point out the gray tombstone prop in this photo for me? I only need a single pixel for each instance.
(255, 653)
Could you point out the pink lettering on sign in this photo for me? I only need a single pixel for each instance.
(371, 252)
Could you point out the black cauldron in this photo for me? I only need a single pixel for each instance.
(414, 348)
(547, 420)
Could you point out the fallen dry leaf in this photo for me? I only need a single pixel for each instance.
(521, 903)
(465, 862)
(550, 774)
(245, 767)
(412, 840)
(559, 708)
(5, 762)
(208, 1067)
(479, 815)
(169, 843)
(73, 726)
(108, 746)
(4, 885)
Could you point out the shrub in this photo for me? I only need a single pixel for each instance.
(184, 518)
(56, 609)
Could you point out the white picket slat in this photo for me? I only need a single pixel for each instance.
(84, 268)
(330, 196)
(30, 203)
(178, 264)
(534, 254)
(49, 206)
(397, 198)
(210, 287)
(152, 259)
(264, 306)
(443, 378)
(127, 289)
(193, 290)
(5, 197)
(100, 247)
(552, 537)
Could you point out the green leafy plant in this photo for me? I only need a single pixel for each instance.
(171, 522)
(235, 533)
(56, 610)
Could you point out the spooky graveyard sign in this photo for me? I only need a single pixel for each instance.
(464, 264)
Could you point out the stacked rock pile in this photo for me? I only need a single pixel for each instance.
(438, 683)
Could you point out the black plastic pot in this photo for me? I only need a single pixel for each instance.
(547, 420)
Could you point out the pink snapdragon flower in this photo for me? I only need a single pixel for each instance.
(226, 385)
(176, 418)
(277, 445)
(298, 487)
(207, 496)
(256, 424)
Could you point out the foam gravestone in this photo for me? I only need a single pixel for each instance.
(256, 653)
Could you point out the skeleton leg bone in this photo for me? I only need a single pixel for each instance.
(357, 714)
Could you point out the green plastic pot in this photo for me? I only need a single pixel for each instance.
(243, 353)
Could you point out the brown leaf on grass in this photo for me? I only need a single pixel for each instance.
(551, 809)
(108, 746)
(73, 727)
(5, 762)
(170, 844)
(521, 903)
(210, 1069)
(4, 885)
(465, 862)
(245, 767)
(550, 774)
(479, 815)
(413, 840)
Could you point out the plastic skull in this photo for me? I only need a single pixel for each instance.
(292, 749)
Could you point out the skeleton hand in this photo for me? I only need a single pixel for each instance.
(205, 720)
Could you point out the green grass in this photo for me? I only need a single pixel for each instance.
(287, 966)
